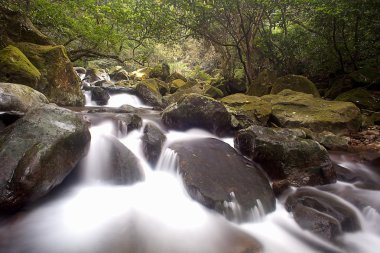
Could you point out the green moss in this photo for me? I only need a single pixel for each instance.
(16, 67)
(296, 83)
(361, 97)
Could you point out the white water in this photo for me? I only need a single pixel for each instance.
(158, 216)
(117, 100)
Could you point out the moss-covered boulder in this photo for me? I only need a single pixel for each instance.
(58, 82)
(339, 86)
(296, 83)
(37, 152)
(21, 98)
(217, 176)
(160, 71)
(141, 74)
(174, 76)
(190, 87)
(16, 68)
(176, 84)
(197, 111)
(248, 110)
(328, 140)
(296, 109)
(212, 91)
(360, 97)
(286, 155)
(149, 91)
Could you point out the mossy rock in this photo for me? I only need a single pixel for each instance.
(21, 98)
(149, 91)
(296, 83)
(58, 82)
(174, 76)
(161, 71)
(262, 85)
(328, 140)
(176, 84)
(141, 74)
(360, 97)
(248, 110)
(213, 91)
(296, 109)
(15, 67)
(188, 88)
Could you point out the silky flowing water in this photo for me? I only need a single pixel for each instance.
(158, 216)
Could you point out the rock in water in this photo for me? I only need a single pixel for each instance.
(286, 154)
(37, 152)
(212, 170)
(153, 140)
(193, 110)
(21, 98)
(124, 167)
(58, 82)
(99, 95)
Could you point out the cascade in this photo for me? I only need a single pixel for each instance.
(158, 215)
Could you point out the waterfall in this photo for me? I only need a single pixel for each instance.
(157, 215)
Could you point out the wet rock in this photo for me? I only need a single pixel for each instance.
(326, 204)
(8, 118)
(128, 122)
(153, 141)
(176, 84)
(58, 82)
(212, 170)
(295, 109)
(99, 95)
(296, 83)
(149, 92)
(104, 84)
(361, 98)
(37, 152)
(124, 166)
(286, 154)
(197, 111)
(317, 222)
(248, 110)
(93, 75)
(15, 67)
(17, 97)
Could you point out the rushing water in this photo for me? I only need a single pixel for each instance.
(157, 215)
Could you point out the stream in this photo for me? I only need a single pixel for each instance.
(88, 214)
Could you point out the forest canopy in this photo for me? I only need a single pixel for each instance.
(311, 37)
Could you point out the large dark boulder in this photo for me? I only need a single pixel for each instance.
(361, 98)
(153, 140)
(123, 166)
(127, 122)
(21, 98)
(322, 205)
(59, 82)
(37, 152)
(99, 95)
(197, 111)
(286, 154)
(215, 174)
